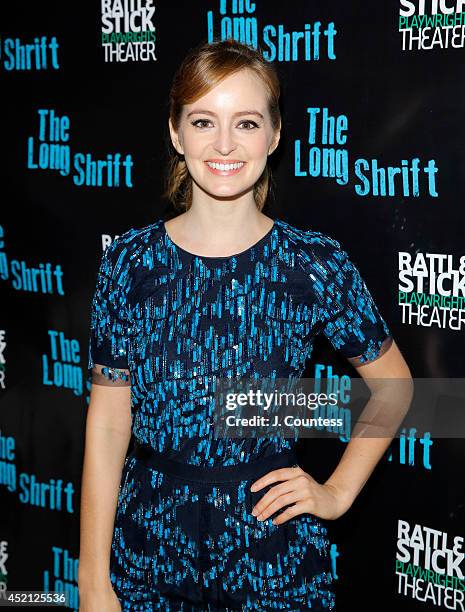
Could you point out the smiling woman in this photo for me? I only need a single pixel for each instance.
(216, 127)
(219, 292)
(223, 110)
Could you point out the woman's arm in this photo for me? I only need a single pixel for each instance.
(391, 385)
(107, 436)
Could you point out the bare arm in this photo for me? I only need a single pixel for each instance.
(107, 436)
(365, 449)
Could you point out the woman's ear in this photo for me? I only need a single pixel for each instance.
(275, 141)
(175, 138)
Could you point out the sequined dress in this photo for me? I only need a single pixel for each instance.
(167, 322)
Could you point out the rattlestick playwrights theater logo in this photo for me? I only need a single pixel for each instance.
(432, 24)
(429, 566)
(432, 290)
(3, 560)
(128, 30)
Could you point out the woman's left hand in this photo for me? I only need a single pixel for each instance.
(300, 489)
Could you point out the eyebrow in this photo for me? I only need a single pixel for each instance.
(207, 112)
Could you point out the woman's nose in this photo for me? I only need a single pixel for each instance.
(224, 142)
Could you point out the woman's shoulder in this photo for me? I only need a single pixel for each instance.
(317, 254)
(131, 244)
(137, 236)
(312, 242)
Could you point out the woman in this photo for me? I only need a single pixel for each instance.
(221, 290)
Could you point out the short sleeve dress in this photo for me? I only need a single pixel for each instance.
(167, 322)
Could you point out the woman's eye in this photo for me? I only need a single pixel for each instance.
(198, 122)
(250, 123)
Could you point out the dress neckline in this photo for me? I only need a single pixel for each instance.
(221, 257)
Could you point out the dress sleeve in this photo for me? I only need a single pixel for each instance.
(351, 320)
(109, 321)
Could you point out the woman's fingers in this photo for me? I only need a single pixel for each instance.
(280, 495)
(277, 504)
(285, 515)
(275, 476)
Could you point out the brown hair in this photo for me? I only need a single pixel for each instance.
(202, 69)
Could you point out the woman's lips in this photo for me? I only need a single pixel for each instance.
(224, 172)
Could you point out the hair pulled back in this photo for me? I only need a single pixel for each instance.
(204, 67)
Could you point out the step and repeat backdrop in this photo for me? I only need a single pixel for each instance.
(371, 153)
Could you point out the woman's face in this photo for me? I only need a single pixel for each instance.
(226, 136)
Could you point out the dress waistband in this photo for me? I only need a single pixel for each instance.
(227, 473)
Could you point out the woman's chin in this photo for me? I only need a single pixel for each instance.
(225, 191)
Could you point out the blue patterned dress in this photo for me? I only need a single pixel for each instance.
(167, 322)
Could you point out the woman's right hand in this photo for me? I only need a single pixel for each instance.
(102, 599)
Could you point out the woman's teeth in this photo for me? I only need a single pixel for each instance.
(225, 167)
